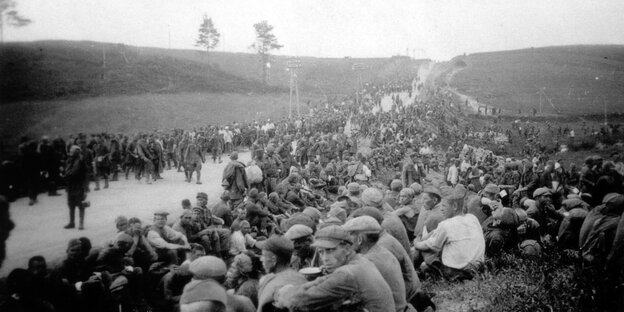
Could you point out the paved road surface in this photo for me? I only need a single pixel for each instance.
(39, 228)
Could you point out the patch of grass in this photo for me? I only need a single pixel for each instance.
(575, 79)
(512, 283)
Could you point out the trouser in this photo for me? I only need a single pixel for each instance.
(270, 184)
(72, 213)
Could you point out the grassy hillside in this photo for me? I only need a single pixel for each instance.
(317, 75)
(46, 70)
(60, 69)
(574, 79)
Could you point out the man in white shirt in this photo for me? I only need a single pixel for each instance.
(453, 173)
(241, 239)
(165, 240)
(458, 239)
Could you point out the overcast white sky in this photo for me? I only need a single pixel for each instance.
(437, 29)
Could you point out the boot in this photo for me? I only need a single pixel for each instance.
(97, 185)
(81, 214)
(106, 183)
(71, 224)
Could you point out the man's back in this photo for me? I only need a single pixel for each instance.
(390, 269)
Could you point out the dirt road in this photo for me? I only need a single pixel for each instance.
(39, 228)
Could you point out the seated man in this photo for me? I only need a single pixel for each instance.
(458, 240)
(166, 241)
(352, 278)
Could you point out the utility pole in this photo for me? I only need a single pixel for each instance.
(292, 65)
(358, 68)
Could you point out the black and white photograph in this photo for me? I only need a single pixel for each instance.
(311, 155)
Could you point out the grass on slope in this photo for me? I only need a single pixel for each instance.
(575, 79)
(60, 69)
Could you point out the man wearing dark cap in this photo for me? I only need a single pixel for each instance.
(276, 255)
(301, 236)
(165, 240)
(235, 180)
(351, 277)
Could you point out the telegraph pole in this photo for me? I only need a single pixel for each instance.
(292, 65)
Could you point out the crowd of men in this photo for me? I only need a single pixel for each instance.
(309, 223)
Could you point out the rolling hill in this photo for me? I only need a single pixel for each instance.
(59, 69)
(570, 79)
(45, 70)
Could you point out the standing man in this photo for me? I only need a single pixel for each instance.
(75, 175)
(194, 159)
(235, 180)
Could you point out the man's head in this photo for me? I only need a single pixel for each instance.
(160, 218)
(203, 296)
(208, 267)
(121, 222)
(186, 204)
(202, 199)
(234, 155)
(396, 185)
(276, 252)
(37, 266)
(372, 197)
(542, 194)
(135, 226)
(196, 252)
(186, 219)
(364, 232)
(491, 191)
(124, 242)
(334, 246)
(245, 227)
(431, 197)
(301, 236)
(74, 249)
(455, 202)
(406, 196)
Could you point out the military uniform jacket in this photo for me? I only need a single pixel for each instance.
(357, 281)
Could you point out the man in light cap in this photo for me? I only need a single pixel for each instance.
(351, 277)
(365, 231)
(209, 270)
(354, 194)
(407, 211)
(276, 256)
(235, 180)
(372, 197)
(301, 237)
(392, 196)
(458, 240)
(166, 241)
